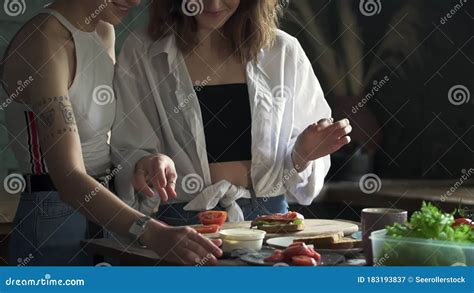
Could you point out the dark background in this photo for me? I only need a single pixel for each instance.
(422, 135)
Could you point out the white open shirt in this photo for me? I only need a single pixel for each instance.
(158, 112)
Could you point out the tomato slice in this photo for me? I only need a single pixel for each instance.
(302, 260)
(213, 217)
(277, 256)
(207, 229)
(463, 221)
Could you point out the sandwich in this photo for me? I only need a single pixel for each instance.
(279, 223)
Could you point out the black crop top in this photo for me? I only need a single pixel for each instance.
(227, 122)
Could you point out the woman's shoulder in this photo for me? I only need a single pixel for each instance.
(30, 51)
(285, 44)
(39, 37)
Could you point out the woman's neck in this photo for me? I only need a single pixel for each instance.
(78, 13)
(213, 43)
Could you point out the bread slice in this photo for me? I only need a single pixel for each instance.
(323, 239)
(331, 241)
(284, 228)
(344, 243)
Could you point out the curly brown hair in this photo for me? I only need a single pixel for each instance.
(252, 27)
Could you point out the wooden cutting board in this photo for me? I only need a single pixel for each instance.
(313, 227)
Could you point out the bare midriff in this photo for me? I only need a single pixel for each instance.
(237, 173)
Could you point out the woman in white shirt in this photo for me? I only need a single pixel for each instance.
(59, 125)
(233, 101)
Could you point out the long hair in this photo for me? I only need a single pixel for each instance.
(251, 28)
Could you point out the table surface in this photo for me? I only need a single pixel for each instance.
(133, 255)
(126, 252)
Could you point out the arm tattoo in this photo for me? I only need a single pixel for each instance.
(48, 118)
(48, 108)
(68, 114)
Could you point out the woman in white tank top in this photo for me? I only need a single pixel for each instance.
(59, 125)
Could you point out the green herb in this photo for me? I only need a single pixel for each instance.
(431, 223)
(298, 222)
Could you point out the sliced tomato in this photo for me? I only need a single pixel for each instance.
(295, 250)
(213, 217)
(302, 260)
(207, 229)
(463, 221)
(277, 256)
(280, 217)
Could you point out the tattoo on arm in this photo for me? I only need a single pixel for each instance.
(68, 114)
(47, 110)
(47, 118)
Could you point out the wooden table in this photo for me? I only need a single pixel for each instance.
(123, 255)
(122, 252)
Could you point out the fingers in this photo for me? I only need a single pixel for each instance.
(341, 132)
(338, 125)
(202, 255)
(140, 183)
(345, 140)
(183, 255)
(341, 142)
(158, 168)
(217, 242)
(206, 243)
(197, 249)
(171, 180)
(323, 123)
(159, 178)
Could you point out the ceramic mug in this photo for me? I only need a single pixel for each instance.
(374, 219)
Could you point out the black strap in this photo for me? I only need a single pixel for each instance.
(43, 183)
(39, 183)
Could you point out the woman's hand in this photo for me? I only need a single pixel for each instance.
(155, 171)
(319, 140)
(181, 245)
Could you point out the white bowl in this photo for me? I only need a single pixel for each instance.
(241, 238)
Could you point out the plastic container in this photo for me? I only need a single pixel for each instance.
(241, 239)
(397, 251)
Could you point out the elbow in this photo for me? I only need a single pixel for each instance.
(66, 185)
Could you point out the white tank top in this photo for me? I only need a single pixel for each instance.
(92, 100)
